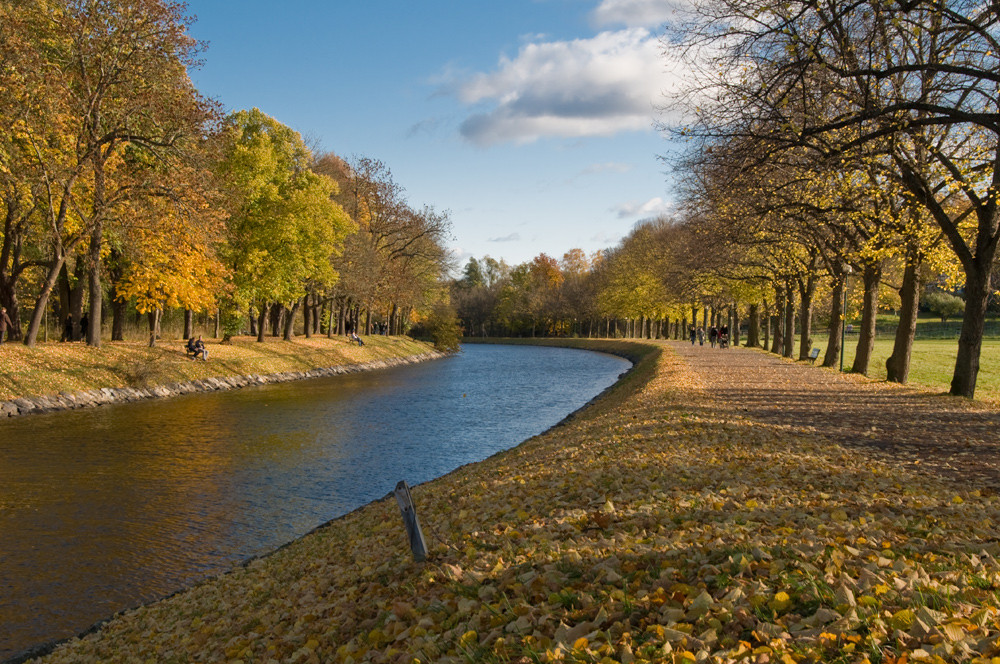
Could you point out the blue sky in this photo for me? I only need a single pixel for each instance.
(531, 121)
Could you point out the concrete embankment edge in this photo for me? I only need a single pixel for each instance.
(110, 395)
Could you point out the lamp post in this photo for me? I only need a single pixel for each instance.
(843, 322)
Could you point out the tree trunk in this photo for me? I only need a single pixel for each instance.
(970, 341)
(898, 364)
(118, 307)
(307, 317)
(753, 326)
(277, 312)
(65, 306)
(341, 316)
(807, 289)
(317, 313)
(788, 332)
(93, 330)
(289, 333)
(188, 324)
(42, 300)
(261, 319)
(218, 321)
(777, 343)
(734, 330)
(836, 327)
(767, 323)
(8, 300)
(76, 299)
(154, 326)
(866, 338)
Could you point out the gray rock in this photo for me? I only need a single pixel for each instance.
(24, 405)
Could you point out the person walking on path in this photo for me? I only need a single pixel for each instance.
(693, 334)
(701, 336)
(5, 322)
(713, 335)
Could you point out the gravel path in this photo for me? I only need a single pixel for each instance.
(946, 436)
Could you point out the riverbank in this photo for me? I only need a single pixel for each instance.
(656, 525)
(61, 376)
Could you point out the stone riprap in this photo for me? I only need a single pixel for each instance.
(105, 395)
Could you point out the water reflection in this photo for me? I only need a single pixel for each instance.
(106, 508)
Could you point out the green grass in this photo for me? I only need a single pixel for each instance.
(49, 368)
(932, 364)
(931, 327)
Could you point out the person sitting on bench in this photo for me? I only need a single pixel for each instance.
(196, 347)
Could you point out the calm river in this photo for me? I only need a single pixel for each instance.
(106, 508)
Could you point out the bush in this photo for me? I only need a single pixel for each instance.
(443, 327)
(944, 305)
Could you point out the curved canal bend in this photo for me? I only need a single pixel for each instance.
(106, 508)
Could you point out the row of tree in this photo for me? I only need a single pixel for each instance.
(828, 141)
(837, 138)
(121, 186)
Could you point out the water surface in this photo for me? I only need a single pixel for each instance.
(106, 508)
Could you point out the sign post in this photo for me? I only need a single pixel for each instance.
(417, 544)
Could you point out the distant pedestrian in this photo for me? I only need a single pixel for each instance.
(5, 322)
(84, 325)
(713, 335)
(693, 334)
(701, 336)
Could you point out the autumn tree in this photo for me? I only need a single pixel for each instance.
(915, 82)
(119, 70)
(397, 260)
(285, 229)
(172, 262)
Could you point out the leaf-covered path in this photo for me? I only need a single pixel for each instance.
(943, 435)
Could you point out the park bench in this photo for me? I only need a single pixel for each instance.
(813, 354)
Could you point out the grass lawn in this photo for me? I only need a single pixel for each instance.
(932, 364)
(50, 368)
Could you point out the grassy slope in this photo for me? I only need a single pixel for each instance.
(932, 364)
(648, 528)
(50, 368)
(931, 367)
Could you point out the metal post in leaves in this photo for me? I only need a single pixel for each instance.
(417, 544)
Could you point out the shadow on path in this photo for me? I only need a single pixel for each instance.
(946, 436)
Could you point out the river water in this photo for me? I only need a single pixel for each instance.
(106, 508)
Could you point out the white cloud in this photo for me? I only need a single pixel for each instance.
(458, 254)
(636, 13)
(608, 167)
(608, 239)
(425, 126)
(600, 86)
(651, 208)
(513, 237)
